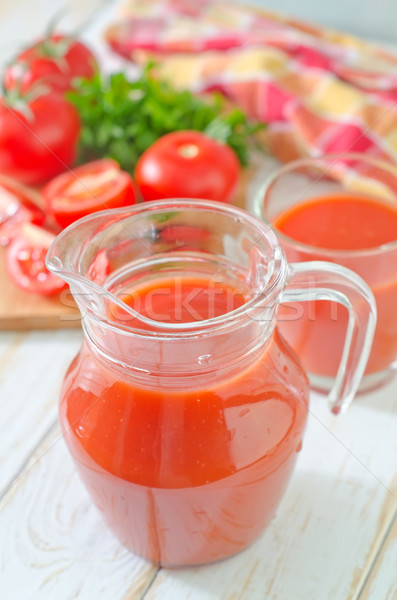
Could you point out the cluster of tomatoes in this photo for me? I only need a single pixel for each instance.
(39, 136)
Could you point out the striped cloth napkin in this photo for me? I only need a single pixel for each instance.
(320, 91)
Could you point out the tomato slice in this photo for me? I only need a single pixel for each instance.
(25, 261)
(17, 206)
(94, 186)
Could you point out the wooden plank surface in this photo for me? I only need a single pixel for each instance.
(330, 527)
(379, 584)
(32, 366)
(54, 544)
(20, 310)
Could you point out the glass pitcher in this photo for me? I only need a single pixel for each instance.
(185, 409)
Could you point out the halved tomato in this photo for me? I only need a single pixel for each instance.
(25, 261)
(17, 206)
(84, 190)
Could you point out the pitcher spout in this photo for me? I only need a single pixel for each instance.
(83, 256)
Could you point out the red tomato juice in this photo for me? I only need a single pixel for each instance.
(187, 474)
(354, 226)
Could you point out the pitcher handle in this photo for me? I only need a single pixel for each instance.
(329, 281)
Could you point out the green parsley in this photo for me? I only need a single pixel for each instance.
(122, 118)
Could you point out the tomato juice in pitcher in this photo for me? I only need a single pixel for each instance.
(185, 408)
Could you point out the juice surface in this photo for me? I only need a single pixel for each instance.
(184, 299)
(342, 222)
(187, 474)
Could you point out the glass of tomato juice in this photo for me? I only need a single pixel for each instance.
(341, 209)
(185, 408)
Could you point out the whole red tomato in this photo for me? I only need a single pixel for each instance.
(187, 164)
(55, 61)
(39, 139)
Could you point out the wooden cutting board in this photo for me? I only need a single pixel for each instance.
(20, 310)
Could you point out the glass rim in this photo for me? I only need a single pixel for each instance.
(272, 287)
(264, 188)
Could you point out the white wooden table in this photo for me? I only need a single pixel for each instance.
(334, 537)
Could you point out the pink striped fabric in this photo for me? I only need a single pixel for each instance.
(320, 91)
